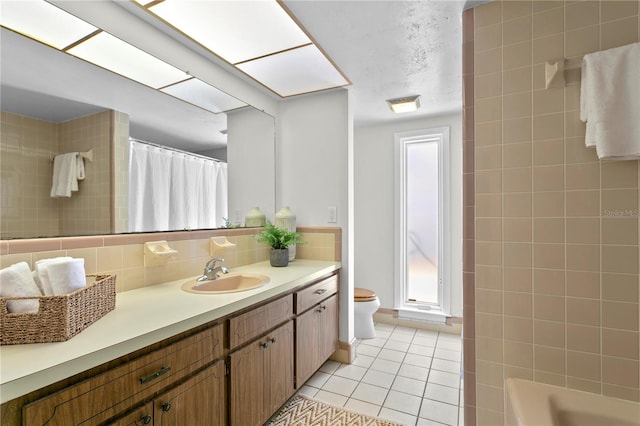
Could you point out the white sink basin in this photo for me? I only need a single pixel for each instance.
(227, 284)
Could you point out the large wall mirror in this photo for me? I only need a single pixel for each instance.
(52, 102)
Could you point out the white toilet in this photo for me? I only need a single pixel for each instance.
(366, 303)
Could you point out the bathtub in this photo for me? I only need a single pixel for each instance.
(536, 404)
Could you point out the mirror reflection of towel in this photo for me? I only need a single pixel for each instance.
(65, 175)
(80, 175)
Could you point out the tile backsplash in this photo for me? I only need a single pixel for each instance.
(123, 255)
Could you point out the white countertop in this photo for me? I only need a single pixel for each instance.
(141, 317)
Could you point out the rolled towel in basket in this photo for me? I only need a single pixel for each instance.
(17, 281)
(66, 276)
(43, 275)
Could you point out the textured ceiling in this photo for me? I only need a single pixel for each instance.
(391, 49)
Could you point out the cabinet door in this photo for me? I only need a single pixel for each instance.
(199, 401)
(316, 338)
(328, 329)
(246, 385)
(307, 345)
(261, 377)
(279, 386)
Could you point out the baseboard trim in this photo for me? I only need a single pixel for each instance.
(390, 316)
(346, 352)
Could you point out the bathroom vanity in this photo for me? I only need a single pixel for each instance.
(166, 356)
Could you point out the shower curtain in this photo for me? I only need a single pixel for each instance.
(171, 190)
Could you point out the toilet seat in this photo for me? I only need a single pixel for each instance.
(366, 305)
(363, 295)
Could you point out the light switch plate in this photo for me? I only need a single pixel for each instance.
(333, 214)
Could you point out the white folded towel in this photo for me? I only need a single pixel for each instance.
(66, 276)
(610, 102)
(17, 281)
(43, 273)
(65, 175)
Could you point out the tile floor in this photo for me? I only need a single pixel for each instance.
(406, 375)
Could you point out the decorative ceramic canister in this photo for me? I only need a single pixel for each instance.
(286, 219)
(254, 218)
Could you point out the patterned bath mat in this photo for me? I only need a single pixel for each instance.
(302, 411)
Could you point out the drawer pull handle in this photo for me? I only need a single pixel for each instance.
(264, 345)
(321, 309)
(145, 420)
(166, 406)
(155, 375)
(273, 340)
(321, 291)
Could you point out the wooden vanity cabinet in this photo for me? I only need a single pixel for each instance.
(316, 327)
(261, 373)
(100, 398)
(239, 371)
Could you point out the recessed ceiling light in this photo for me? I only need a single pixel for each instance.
(295, 71)
(203, 95)
(406, 104)
(125, 59)
(236, 31)
(260, 38)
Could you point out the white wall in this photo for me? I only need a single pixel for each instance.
(312, 163)
(251, 168)
(374, 209)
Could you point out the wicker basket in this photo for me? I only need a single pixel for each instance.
(61, 317)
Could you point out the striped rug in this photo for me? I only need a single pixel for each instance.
(302, 411)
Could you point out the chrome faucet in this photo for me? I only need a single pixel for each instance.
(211, 271)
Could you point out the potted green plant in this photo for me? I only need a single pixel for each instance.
(279, 239)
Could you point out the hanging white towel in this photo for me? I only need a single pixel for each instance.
(610, 102)
(65, 175)
(17, 281)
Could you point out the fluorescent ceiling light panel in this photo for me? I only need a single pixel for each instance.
(234, 30)
(44, 22)
(295, 71)
(203, 95)
(122, 58)
(406, 104)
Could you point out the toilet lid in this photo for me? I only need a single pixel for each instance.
(363, 295)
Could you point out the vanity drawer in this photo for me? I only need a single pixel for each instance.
(315, 293)
(257, 321)
(105, 395)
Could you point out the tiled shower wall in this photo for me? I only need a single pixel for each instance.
(123, 255)
(26, 150)
(120, 174)
(556, 230)
(88, 211)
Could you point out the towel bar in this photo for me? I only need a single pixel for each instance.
(554, 70)
(87, 155)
